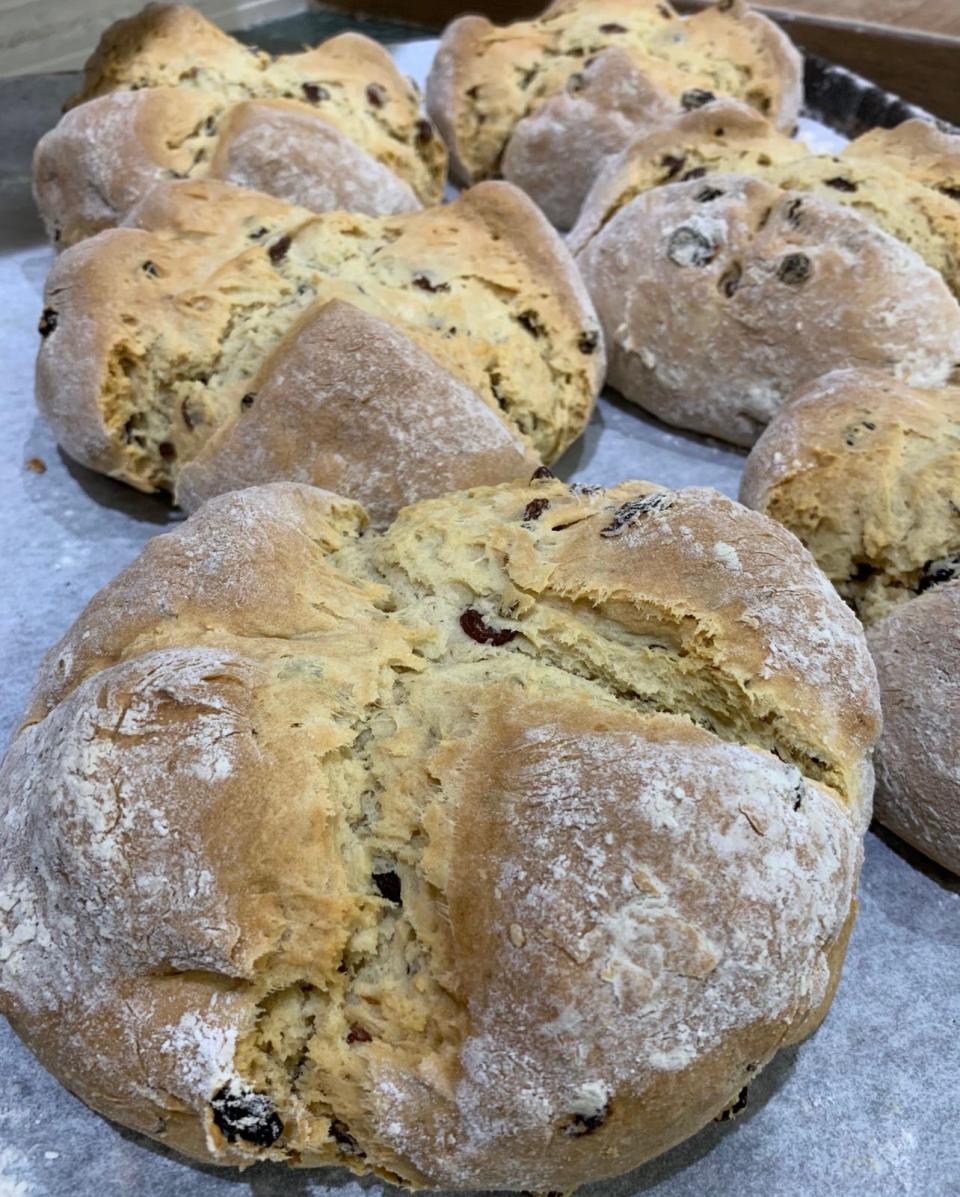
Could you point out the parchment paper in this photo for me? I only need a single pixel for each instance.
(870, 1107)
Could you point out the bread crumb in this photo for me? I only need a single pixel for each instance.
(36, 464)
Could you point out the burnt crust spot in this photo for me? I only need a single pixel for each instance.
(794, 270)
(695, 98)
(473, 624)
(629, 512)
(242, 1113)
(48, 322)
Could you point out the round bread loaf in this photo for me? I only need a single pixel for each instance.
(232, 339)
(103, 157)
(917, 652)
(719, 297)
(485, 78)
(343, 848)
(336, 125)
(727, 137)
(865, 470)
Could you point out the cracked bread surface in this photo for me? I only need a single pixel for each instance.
(103, 157)
(486, 78)
(865, 470)
(161, 339)
(728, 138)
(349, 80)
(917, 653)
(349, 848)
(720, 296)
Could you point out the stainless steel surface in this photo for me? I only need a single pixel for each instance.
(869, 1107)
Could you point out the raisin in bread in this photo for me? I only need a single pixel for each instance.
(917, 653)
(485, 79)
(720, 296)
(726, 137)
(344, 103)
(460, 338)
(865, 470)
(400, 807)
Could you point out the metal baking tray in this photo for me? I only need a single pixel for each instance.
(869, 1107)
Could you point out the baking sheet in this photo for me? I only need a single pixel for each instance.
(869, 1107)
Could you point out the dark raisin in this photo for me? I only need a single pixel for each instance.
(248, 400)
(473, 92)
(719, 132)
(672, 165)
(734, 1109)
(128, 433)
(588, 342)
(376, 95)
(627, 513)
(209, 126)
(185, 414)
(950, 192)
(424, 132)
(243, 1114)
(688, 247)
(528, 77)
(794, 270)
(150, 270)
(841, 184)
(528, 320)
(534, 509)
(345, 1141)
(495, 380)
(421, 281)
(764, 219)
(389, 886)
(258, 233)
(935, 573)
(278, 251)
(729, 283)
(315, 93)
(48, 322)
(708, 195)
(542, 472)
(167, 450)
(575, 82)
(794, 209)
(358, 1034)
(577, 1125)
(56, 235)
(696, 97)
(697, 173)
(473, 625)
(613, 27)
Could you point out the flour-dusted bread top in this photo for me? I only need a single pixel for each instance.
(728, 138)
(338, 847)
(917, 651)
(157, 338)
(557, 151)
(348, 81)
(865, 470)
(103, 157)
(720, 296)
(486, 78)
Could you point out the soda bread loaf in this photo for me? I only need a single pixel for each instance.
(917, 652)
(727, 137)
(497, 851)
(103, 157)
(438, 348)
(865, 470)
(343, 103)
(720, 296)
(485, 78)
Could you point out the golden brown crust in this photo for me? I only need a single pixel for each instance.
(348, 82)
(865, 470)
(487, 78)
(320, 857)
(204, 293)
(919, 149)
(917, 651)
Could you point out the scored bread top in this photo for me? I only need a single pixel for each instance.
(155, 336)
(349, 81)
(486, 78)
(865, 470)
(268, 711)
